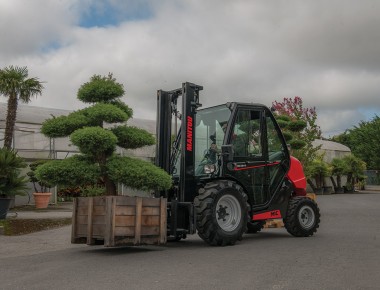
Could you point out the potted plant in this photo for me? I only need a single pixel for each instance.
(96, 131)
(338, 167)
(12, 183)
(318, 169)
(354, 170)
(41, 192)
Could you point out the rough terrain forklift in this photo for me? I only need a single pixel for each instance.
(231, 170)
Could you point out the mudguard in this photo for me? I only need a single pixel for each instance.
(297, 177)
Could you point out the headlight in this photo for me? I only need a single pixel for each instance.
(209, 168)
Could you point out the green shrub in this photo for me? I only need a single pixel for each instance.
(138, 174)
(42, 186)
(100, 89)
(297, 126)
(288, 136)
(11, 181)
(64, 125)
(92, 190)
(94, 141)
(297, 144)
(105, 113)
(73, 171)
(282, 123)
(132, 137)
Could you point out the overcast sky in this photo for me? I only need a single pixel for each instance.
(327, 52)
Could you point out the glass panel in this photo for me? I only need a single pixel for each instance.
(209, 135)
(246, 135)
(276, 152)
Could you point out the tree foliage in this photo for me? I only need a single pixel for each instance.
(15, 85)
(98, 165)
(100, 89)
(138, 174)
(338, 169)
(364, 141)
(354, 169)
(301, 126)
(11, 181)
(318, 169)
(72, 171)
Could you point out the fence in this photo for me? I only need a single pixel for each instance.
(373, 177)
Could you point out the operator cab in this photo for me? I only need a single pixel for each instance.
(242, 142)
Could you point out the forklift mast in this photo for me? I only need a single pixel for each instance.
(181, 212)
(167, 102)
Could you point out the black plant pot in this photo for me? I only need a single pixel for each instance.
(327, 189)
(4, 207)
(339, 190)
(318, 191)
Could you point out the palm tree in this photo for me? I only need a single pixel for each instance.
(15, 84)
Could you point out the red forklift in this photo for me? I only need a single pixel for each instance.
(231, 170)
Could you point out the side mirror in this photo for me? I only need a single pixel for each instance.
(228, 152)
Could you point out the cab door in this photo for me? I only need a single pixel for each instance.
(247, 137)
(260, 156)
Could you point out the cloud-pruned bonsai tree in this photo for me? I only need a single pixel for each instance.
(300, 129)
(98, 163)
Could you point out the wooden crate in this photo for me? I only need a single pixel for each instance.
(119, 221)
(277, 223)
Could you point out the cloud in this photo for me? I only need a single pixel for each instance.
(247, 51)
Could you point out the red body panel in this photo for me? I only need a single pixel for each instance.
(273, 214)
(297, 176)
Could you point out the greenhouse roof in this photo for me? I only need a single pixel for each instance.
(330, 145)
(36, 115)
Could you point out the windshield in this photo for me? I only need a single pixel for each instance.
(209, 134)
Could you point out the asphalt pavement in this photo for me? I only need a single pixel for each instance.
(344, 254)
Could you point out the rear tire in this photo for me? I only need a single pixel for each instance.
(221, 208)
(302, 217)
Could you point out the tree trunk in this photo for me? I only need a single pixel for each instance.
(110, 185)
(10, 121)
(310, 182)
(333, 182)
(339, 181)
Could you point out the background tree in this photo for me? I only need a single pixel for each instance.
(15, 85)
(364, 141)
(354, 169)
(300, 129)
(338, 169)
(318, 169)
(98, 163)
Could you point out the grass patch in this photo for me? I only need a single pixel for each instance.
(14, 227)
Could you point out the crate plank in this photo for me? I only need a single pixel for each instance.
(151, 202)
(82, 211)
(125, 210)
(150, 210)
(150, 220)
(99, 209)
(74, 222)
(110, 224)
(138, 220)
(163, 221)
(125, 221)
(89, 221)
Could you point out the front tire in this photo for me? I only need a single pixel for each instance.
(302, 217)
(221, 208)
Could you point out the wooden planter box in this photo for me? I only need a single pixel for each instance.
(119, 221)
